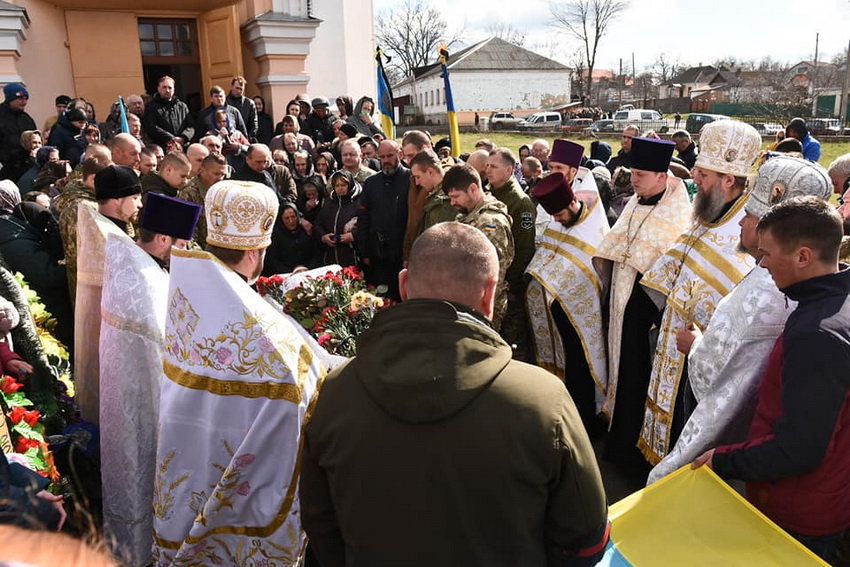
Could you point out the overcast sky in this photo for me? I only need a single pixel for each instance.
(693, 31)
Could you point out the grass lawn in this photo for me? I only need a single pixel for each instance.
(829, 150)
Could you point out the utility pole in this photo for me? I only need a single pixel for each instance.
(620, 84)
(814, 80)
(634, 81)
(842, 111)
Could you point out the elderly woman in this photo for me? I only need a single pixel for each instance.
(334, 227)
(291, 126)
(291, 247)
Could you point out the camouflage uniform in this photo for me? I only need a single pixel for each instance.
(438, 208)
(195, 192)
(491, 217)
(515, 328)
(66, 206)
(363, 174)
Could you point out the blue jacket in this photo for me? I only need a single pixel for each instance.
(811, 148)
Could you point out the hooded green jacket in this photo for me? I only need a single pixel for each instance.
(433, 447)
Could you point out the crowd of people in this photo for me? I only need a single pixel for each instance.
(681, 310)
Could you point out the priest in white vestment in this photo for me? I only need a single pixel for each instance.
(727, 360)
(240, 383)
(135, 296)
(699, 270)
(118, 192)
(564, 296)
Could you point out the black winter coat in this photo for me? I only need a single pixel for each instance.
(321, 130)
(336, 213)
(62, 136)
(382, 215)
(205, 120)
(13, 156)
(36, 254)
(248, 110)
(167, 119)
(290, 249)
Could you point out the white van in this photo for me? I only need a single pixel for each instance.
(541, 121)
(642, 118)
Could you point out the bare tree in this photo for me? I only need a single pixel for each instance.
(410, 34)
(508, 32)
(664, 68)
(587, 21)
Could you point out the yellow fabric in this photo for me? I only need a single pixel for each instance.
(693, 518)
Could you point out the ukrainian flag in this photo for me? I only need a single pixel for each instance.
(125, 127)
(385, 99)
(454, 131)
(693, 518)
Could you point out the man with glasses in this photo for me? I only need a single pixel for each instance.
(624, 156)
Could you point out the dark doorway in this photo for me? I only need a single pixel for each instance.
(170, 47)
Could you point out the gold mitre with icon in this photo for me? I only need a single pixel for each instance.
(240, 215)
(728, 146)
(782, 177)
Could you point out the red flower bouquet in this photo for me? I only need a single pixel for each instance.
(335, 307)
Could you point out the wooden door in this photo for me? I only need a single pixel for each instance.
(221, 47)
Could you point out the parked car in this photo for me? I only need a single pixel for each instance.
(503, 121)
(696, 121)
(626, 107)
(768, 128)
(605, 125)
(642, 118)
(541, 121)
(826, 127)
(577, 124)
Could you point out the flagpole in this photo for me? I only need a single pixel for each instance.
(385, 98)
(454, 130)
(125, 126)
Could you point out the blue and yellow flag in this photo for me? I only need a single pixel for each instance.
(125, 127)
(385, 99)
(454, 131)
(692, 517)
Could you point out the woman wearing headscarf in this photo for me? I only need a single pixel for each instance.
(31, 244)
(43, 155)
(344, 107)
(291, 246)
(362, 117)
(265, 123)
(334, 227)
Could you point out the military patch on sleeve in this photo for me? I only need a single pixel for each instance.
(526, 222)
(489, 228)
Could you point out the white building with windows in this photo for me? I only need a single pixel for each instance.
(488, 76)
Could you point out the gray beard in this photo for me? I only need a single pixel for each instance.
(741, 248)
(707, 207)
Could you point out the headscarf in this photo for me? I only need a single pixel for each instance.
(10, 196)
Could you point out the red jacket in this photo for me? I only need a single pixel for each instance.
(796, 461)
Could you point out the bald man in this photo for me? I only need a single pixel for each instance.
(196, 154)
(433, 363)
(382, 219)
(478, 161)
(126, 150)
